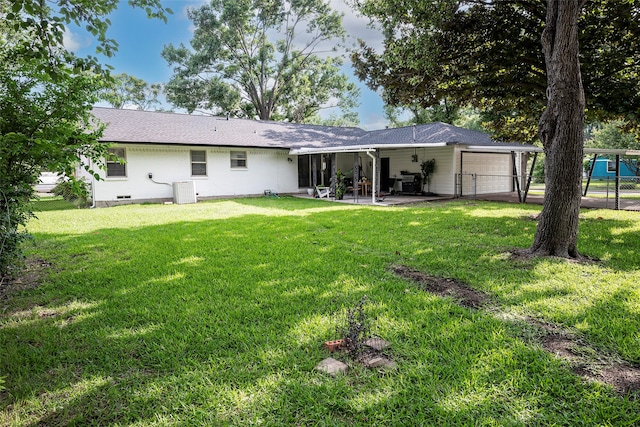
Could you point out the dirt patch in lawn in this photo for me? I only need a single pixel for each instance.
(28, 278)
(585, 361)
(444, 287)
(588, 362)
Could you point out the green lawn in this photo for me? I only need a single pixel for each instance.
(215, 314)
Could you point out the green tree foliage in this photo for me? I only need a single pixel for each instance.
(236, 66)
(518, 61)
(46, 94)
(337, 120)
(615, 134)
(415, 114)
(470, 118)
(125, 90)
(488, 54)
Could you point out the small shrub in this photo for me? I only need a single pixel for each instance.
(73, 191)
(354, 329)
(15, 211)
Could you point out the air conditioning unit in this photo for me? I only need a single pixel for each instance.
(184, 192)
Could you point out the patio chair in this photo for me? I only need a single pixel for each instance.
(381, 196)
(323, 192)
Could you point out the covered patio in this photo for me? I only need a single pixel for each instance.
(390, 200)
(627, 204)
(391, 162)
(385, 167)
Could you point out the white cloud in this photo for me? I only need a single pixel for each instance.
(357, 26)
(71, 42)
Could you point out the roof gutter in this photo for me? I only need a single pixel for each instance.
(534, 149)
(505, 148)
(621, 152)
(361, 148)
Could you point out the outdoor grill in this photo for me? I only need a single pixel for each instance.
(411, 182)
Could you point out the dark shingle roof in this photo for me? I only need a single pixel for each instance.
(136, 126)
(432, 133)
(150, 127)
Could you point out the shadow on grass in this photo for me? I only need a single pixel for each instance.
(222, 322)
(568, 293)
(51, 203)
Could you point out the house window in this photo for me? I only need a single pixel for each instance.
(238, 159)
(116, 163)
(611, 166)
(198, 163)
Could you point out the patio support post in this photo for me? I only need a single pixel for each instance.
(375, 171)
(356, 176)
(314, 171)
(516, 177)
(533, 165)
(378, 183)
(591, 168)
(461, 177)
(334, 169)
(617, 206)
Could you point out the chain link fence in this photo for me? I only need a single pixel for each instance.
(604, 188)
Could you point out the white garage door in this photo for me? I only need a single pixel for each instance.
(485, 173)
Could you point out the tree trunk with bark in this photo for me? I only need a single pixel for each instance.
(561, 131)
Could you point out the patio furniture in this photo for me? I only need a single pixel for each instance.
(365, 185)
(323, 192)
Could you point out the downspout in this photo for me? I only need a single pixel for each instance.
(93, 189)
(373, 184)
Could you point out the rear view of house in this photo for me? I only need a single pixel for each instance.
(184, 158)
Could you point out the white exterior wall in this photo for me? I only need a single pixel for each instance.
(485, 173)
(492, 171)
(441, 182)
(267, 169)
(346, 162)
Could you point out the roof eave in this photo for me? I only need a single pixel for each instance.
(621, 152)
(504, 148)
(360, 148)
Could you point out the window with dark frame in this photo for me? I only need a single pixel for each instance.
(238, 159)
(611, 166)
(198, 163)
(116, 163)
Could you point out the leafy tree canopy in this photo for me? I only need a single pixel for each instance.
(236, 66)
(488, 54)
(615, 134)
(46, 94)
(416, 114)
(125, 90)
(40, 27)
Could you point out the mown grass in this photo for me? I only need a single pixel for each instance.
(215, 314)
(52, 203)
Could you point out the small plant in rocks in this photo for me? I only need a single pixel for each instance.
(354, 329)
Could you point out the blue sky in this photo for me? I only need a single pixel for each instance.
(141, 41)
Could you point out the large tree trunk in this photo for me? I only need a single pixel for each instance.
(561, 130)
